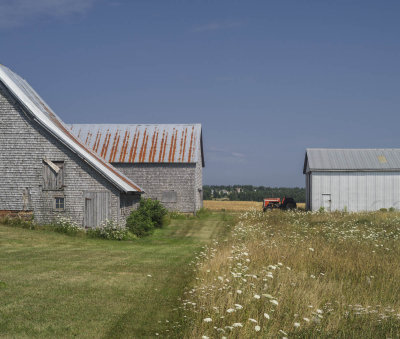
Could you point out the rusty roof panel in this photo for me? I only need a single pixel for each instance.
(142, 143)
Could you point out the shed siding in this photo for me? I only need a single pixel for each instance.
(158, 179)
(23, 145)
(355, 191)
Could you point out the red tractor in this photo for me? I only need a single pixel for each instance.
(272, 203)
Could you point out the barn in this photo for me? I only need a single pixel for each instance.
(352, 179)
(166, 160)
(47, 171)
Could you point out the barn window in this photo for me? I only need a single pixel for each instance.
(59, 203)
(53, 175)
(169, 196)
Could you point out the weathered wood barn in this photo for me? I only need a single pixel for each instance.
(352, 179)
(165, 160)
(45, 169)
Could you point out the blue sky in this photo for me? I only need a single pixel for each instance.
(267, 79)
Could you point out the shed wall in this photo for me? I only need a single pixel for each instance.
(355, 191)
(23, 145)
(158, 180)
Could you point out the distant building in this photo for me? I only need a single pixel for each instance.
(352, 179)
(46, 171)
(165, 160)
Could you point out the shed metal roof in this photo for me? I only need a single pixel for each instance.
(32, 102)
(126, 143)
(325, 159)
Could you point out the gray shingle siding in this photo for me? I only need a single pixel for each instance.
(158, 178)
(23, 145)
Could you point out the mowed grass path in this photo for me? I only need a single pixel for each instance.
(53, 285)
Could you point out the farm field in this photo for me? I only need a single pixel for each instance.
(237, 206)
(299, 275)
(56, 286)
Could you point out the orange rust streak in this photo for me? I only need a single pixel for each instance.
(132, 146)
(173, 154)
(180, 148)
(116, 149)
(141, 148)
(113, 147)
(145, 147)
(155, 148)
(95, 142)
(98, 142)
(162, 146)
(170, 148)
(152, 146)
(105, 145)
(135, 150)
(165, 146)
(126, 145)
(184, 146)
(191, 143)
(123, 148)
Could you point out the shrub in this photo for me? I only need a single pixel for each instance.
(149, 215)
(18, 222)
(383, 210)
(66, 226)
(392, 209)
(108, 230)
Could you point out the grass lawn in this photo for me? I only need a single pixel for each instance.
(53, 285)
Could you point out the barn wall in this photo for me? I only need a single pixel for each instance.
(23, 145)
(159, 179)
(356, 191)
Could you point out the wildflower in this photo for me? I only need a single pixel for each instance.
(275, 302)
(253, 320)
(311, 249)
(256, 296)
(237, 325)
(266, 316)
(283, 332)
(269, 296)
(205, 337)
(239, 291)
(207, 320)
(306, 319)
(238, 306)
(320, 311)
(230, 310)
(296, 324)
(257, 328)
(149, 275)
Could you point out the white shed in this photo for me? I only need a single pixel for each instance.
(352, 179)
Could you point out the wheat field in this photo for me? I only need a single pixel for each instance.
(215, 205)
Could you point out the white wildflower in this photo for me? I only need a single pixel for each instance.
(275, 302)
(238, 306)
(296, 324)
(207, 320)
(205, 337)
(253, 320)
(311, 249)
(306, 319)
(320, 311)
(257, 328)
(237, 325)
(230, 310)
(256, 296)
(149, 275)
(239, 291)
(266, 316)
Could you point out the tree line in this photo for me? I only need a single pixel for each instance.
(252, 193)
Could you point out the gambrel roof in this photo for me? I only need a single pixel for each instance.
(148, 143)
(42, 113)
(326, 159)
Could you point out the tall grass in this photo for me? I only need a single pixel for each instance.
(299, 274)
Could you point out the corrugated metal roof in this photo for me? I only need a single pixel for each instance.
(324, 159)
(165, 143)
(31, 101)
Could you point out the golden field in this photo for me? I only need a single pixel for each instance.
(295, 274)
(239, 206)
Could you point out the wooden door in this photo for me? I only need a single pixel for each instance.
(97, 208)
(326, 202)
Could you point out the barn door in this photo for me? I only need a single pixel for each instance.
(326, 202)
(97, 208)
